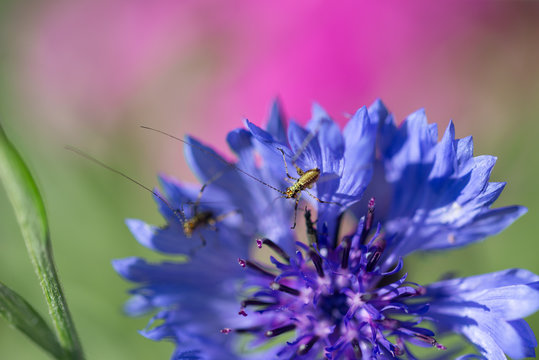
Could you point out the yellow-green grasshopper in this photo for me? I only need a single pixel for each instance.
(305, 181)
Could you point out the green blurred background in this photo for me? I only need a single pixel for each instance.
(88, 73)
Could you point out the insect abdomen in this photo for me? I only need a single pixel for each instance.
(200, 219)
(306, 181)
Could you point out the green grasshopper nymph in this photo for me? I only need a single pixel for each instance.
(199, 219)
(202, 219)
(306, 180)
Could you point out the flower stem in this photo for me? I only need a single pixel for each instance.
(31, 216)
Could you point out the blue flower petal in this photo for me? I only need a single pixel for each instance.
(180, 354)
(170, 240)
(484, 281)
(331, 144)
(464, 149)
(487, 309)
(305, 147)
(317, 114)
(176, 273)
(485, 341)
(260, 134)
(490, 222)
(440, 194)
(378, 112)
(359, 137)
(208, 165)
(493, 338)
(329, 137)
(186, 334)
(276, 123)
(445, 161)
(419, 140)
(138, 305)
(478, 177)
(257, 198)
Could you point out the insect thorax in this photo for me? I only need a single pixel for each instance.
(198, 220)
(305, 181)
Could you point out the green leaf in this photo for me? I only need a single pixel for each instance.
(22, 316)
(29, 209)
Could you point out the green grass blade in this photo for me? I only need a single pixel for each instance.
(30, 213)
(22, 316)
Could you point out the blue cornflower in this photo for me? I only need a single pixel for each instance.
(343, 296)
(196, 295)
(347, 297)
(342, 304)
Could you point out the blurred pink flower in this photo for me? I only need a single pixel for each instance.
(216, 62)
(93, 56)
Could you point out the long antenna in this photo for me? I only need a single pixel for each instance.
(306, 142)
(215, 156)
(94, 160)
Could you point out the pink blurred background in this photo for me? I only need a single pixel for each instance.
(188, 64)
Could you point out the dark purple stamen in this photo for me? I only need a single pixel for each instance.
(254, 266)
(255, 302)
(371, 211)
(346, 241)
(378, 247)
(280, 330)
(430, 340)
(273, 246)
(304, 348)
(421, 291)
(317, 261)
(284, 288)
(373, 260)
(397, 351)
(312, 238)
(367, 224)
(355, 344)
(253, 329)
(418, 291)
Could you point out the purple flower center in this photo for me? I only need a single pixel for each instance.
(338, 301)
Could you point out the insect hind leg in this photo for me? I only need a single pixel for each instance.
(286, 166)
(321, 201)
(203, 244)
(214, 178)
(296, 211)
(224, 216)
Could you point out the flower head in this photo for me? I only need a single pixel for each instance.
(336, 294)
(338, 302)
(341, 304)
